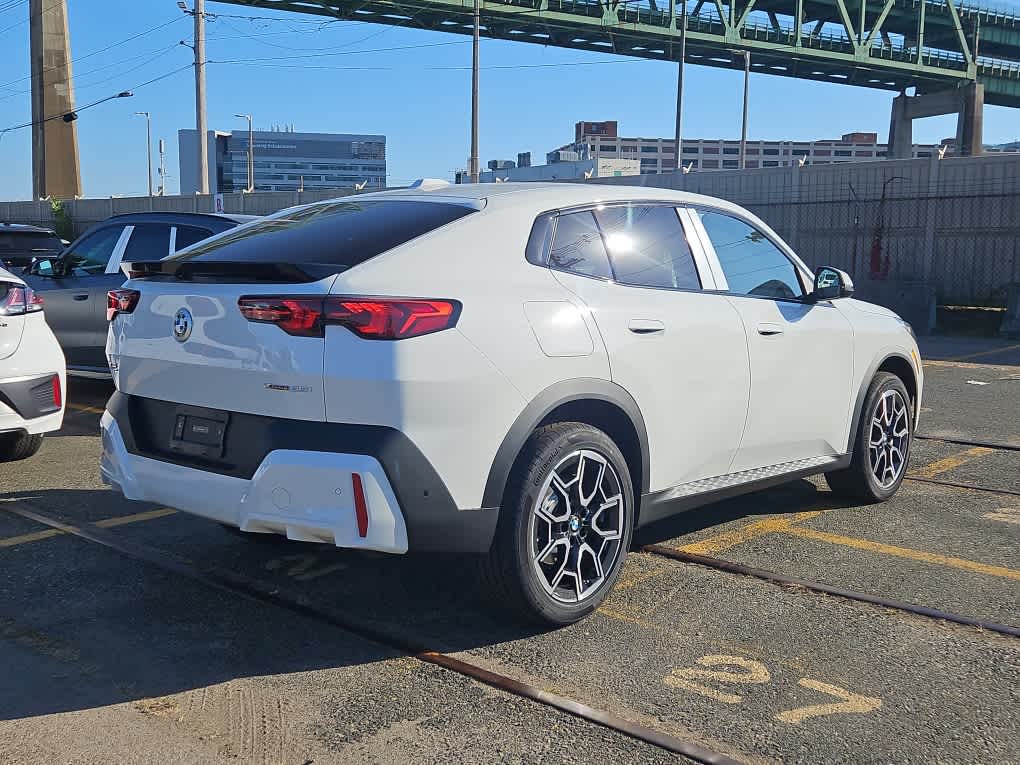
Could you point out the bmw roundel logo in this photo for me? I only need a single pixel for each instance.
(182, 325)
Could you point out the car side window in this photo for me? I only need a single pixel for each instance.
(90, 256)
(149, 241)
(188, 235)
(647, 247)
(577, 246)
(753, 265)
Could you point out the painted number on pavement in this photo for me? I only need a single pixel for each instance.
(721, 670)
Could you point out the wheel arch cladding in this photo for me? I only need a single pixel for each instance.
(895, 364)
(599, 403)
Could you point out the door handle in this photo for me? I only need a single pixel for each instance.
(646, 326)
(82, 297)
(768, 329)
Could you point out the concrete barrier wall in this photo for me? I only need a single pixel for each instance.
(952, 225)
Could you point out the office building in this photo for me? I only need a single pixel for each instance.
(285, 161)
(599, 140)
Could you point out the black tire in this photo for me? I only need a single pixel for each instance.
(18, 446)
(858, 481)
(509, 575)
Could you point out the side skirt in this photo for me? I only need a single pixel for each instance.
(662, 504)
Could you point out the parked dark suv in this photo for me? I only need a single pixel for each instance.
(20, 243)
(74, 282)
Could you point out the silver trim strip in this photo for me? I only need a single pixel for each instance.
(705, 485)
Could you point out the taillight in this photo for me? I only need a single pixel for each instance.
(121, 301)
(57, 393)
(391, 318)
(370, 318)
(294, 315)
(20, 300)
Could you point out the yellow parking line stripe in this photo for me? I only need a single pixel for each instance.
(979, 354)
(904, 552)
(106, 523)
(35, 536)
(729, 539)
(949, 463)
(122, 520)
(83, 408)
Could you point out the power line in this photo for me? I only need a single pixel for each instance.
(30, 17)
(97, 52)
(130, 91)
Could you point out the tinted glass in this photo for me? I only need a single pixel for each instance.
(90, 256)
(752, 264)
(577, 246)
(149, 241)
(32, 242)
(647, 247)
(188, 235)
(333, 233)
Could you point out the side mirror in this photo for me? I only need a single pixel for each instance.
(41, 267)
(831, 283)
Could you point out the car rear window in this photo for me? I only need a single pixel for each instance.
(29, 241)
(342, 233)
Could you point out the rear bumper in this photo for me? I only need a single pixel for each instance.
(26, 404)
(294, 477)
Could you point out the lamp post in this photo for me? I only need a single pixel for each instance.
(251, 152)
(148, 146)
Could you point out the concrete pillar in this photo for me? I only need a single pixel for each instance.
(901, 129)
(970, 125)
(55, 169)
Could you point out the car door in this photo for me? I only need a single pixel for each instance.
(71, 291)
(678, 349)
(801, 353)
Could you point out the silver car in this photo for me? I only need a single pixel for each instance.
(74, 283)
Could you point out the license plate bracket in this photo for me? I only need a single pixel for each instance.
(199, 432)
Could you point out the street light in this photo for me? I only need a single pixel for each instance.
(251, 153)
(743, 126)
(148, 145)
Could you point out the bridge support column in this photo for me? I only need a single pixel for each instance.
(967, 101)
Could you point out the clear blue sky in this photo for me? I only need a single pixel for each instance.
(418, 97)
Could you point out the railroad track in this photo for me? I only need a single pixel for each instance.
(272, 594)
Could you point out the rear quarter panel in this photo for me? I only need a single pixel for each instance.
(457, 393)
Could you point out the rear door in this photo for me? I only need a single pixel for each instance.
(76, 300)
(678, 349)
(801, 353)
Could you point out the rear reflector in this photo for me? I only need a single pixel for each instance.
(57, 393)
(360, 508)
(369, 318)
(121, 301)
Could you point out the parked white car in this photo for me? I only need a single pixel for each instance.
(523, 372)
(32, 371)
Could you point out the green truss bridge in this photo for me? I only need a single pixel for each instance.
(932, 45)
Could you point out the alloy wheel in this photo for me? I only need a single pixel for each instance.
(889, 438)
(576, 526)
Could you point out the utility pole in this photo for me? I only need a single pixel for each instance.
(148, 146)
(203, 145)
(473, 169)
(678, 133)
(743, 123)
(162, 168)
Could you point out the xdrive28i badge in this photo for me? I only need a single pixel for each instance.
(182, 325)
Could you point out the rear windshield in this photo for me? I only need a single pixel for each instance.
(333, 233)
(28, 241)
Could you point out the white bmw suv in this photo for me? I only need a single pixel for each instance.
(523, 372)
(32, 371)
